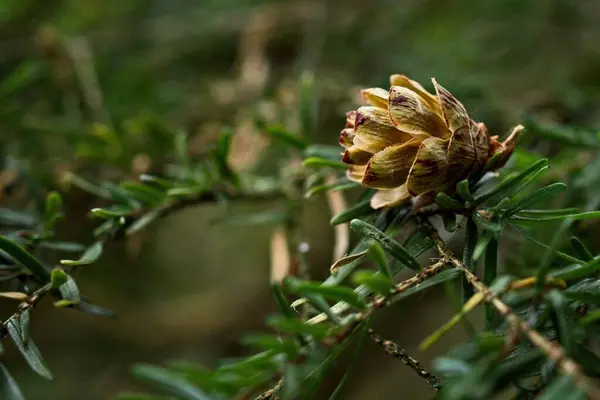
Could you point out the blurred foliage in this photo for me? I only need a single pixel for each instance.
(136, 110)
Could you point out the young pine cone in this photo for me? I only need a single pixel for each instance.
(409, 142)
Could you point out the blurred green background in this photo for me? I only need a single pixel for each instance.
(99, 87)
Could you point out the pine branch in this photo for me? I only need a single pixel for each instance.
(553, 351)
(377, 303)
(398, 352)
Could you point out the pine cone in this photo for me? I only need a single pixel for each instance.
(409, 142)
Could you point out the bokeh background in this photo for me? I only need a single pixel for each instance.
(99, 86)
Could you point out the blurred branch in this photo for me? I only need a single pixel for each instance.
(337, 204)
(79, 51)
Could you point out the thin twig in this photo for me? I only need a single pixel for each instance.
(271, 393)
(30, 302)
(552, 350)
(398, 352)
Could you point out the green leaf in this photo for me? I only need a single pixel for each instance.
(87, 307)
(115, 211)
(145, 220)
(282, 303)
(490, 271)
(22, 76)
(162, 183)
(449, 221)
(88, 187)
(471, 241)
(64, 303)
(223, 145)
(272, 342)
(376, 282)
(492, 225)
(337, 293)
(9, 389)
(549, 213)
(389, 244)
(180, 144)
(316, 377)
(58, 277)
(337, 186)
(446, 202)
(321, 305)
(67, 247)
(69, 291)
(515, 367)
(451, 366)
(563, 388)
(262, 361)
(205, 378)
(351, 258)
(594, 316)
(145, 194)
(381, 220)
(350, 368)
(308, 103)
(317, 162)
(444, 276)
(491, 164)
(587, 290)
(24, 258)
(471, 303)
(24, 320)
(54, 203)
(562, 134)
(377, 253)
(53, 210)
(16, 218)
(323, 151)
(463, 191)
(418, 242)
(29, 350)
(576, 217)
(561, 310)
(279, 132)
(577, 272)
(359, 209)
(297, 326)
(505, 187)
(560, 254)
(580, 249)
(541, 194)
(482, 243)
(168, 382)
(91, 255)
